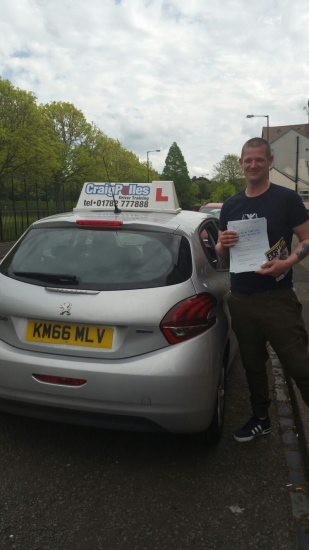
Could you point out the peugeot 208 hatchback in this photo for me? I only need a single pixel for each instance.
(118, 318)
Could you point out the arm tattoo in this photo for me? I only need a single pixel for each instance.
(301, 254)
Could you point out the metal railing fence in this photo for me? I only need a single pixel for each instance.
(22, 202)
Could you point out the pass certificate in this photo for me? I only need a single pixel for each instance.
(248, 254)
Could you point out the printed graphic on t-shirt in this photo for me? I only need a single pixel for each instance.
(249, 216)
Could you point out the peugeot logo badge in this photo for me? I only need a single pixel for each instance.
(66, 308)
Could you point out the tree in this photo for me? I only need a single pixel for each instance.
(27, 147)
(195, 190)
(176, 170)
(223, 192)
(74, 137)
(86, 154)
(202, 183)
(45, 147)
(112, 162)
(229, 171)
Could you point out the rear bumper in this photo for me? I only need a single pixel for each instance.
(82, 418)
(173, 389)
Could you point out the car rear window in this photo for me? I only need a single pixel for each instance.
(99, 259)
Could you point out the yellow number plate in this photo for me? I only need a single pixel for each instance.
(69, 333)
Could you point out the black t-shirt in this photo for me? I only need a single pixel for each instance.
(283, 210)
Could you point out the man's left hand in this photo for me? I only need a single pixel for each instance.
(274, 268)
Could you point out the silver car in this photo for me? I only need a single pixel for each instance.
(117, 320)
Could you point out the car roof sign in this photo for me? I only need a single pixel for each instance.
(157, 196)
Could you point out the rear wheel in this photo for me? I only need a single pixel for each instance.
(214, 432)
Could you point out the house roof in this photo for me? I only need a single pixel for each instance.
(276, 132)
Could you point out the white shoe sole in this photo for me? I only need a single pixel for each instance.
(245, 439)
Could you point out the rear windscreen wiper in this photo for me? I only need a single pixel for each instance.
(48, 277)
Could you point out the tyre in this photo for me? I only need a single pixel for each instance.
(214, 432)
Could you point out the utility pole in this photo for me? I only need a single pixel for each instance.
(307, 110)
(296, 171)
(263, 116)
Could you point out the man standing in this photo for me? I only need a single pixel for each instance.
(263, 304)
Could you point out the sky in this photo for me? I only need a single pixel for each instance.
(154, 72)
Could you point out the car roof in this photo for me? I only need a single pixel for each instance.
(212, 205)
(98, 203)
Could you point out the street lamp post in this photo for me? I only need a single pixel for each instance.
(263, 116)
(153, 151)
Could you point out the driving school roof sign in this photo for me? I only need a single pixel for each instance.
(157, 196)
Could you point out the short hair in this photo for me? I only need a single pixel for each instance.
(257, 142)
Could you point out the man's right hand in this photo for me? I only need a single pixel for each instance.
(226, 240)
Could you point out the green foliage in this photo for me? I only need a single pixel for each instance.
(55, 143)
(87, 154)
(195, 190)
(112, 162)
(27, 146)
(206, 188)
(72, 133)
(229, 171)
(223, 192)
(203, 186)
(176, 170)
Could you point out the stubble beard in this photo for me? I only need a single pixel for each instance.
(262, 178)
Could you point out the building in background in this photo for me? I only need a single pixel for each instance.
(290, 147)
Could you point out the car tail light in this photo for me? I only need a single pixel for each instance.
(188, 318)
(100, 223)
(60, 380)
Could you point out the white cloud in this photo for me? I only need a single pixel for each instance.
(151, 72)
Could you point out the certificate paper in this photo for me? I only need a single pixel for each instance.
(248, 254)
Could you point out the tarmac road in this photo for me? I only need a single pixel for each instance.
(73, 488)
(69, 488)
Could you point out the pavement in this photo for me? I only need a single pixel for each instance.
(301, 411)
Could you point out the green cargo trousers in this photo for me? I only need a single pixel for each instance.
(273, 317)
